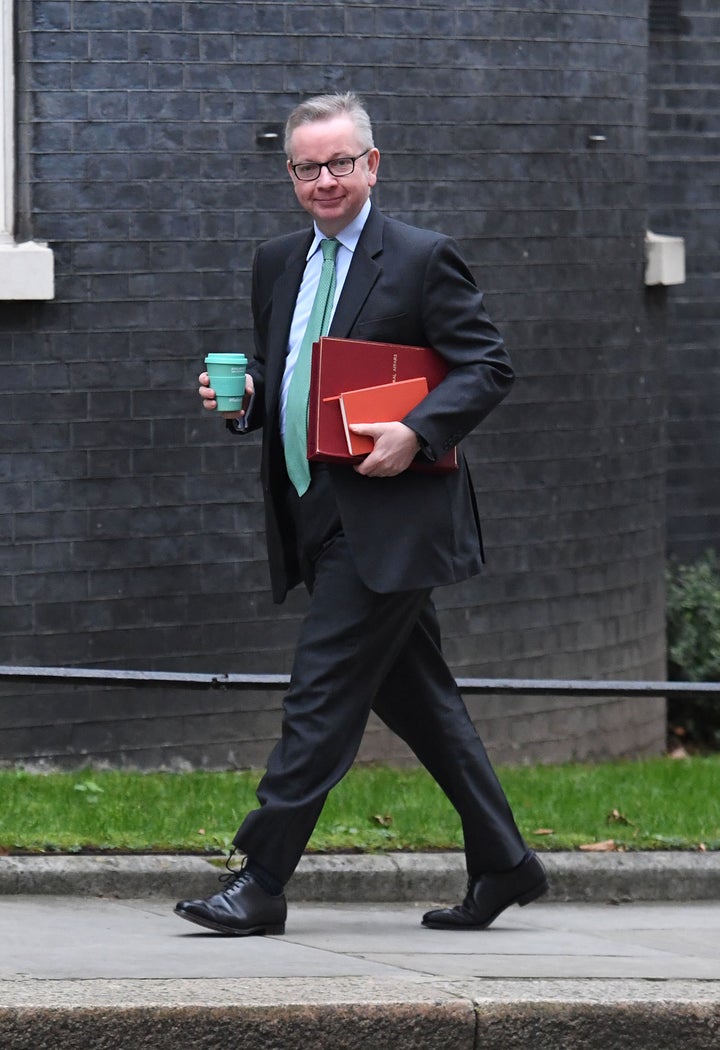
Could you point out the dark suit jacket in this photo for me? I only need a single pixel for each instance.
(405, 285)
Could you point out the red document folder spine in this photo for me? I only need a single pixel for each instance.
(339, 365)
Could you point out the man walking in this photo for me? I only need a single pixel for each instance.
(370, 542)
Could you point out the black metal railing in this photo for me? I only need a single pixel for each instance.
(511, 686)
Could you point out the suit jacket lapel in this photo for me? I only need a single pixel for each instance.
(364, 271)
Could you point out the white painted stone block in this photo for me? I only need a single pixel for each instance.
(27, 271)
(664, 259)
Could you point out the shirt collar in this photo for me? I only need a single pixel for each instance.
(349, 236)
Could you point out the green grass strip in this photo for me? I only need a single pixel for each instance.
(654, 804)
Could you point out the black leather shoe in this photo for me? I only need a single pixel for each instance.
(243, 908)
(488, 895)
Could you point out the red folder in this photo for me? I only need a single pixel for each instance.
(377, 404)
(341, 365)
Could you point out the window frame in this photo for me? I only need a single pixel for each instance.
(26, 269)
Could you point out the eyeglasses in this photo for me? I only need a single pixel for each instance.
(308, 171)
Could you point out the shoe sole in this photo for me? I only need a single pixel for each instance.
(230, 931)
(525, 898)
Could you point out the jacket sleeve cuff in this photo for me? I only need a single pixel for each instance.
(425, 448)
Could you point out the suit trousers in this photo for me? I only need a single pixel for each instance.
(359, 650)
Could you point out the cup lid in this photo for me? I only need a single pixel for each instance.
(226, 359)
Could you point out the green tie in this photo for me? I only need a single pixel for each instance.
(296, 410)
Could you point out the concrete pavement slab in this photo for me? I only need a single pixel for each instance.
(95, 973)
(81, 939)
(49, 939)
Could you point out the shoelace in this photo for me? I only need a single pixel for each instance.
(233, 875)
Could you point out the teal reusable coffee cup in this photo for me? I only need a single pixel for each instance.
(227, 379)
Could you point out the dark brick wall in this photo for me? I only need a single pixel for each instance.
(131, 524)
(684, 198)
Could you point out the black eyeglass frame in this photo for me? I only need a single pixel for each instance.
(326, 164)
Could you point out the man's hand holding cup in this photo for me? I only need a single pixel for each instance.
(226, 387)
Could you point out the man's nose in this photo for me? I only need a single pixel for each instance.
(326, 178)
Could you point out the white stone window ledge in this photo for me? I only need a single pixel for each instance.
(664, 259)
(27, 271)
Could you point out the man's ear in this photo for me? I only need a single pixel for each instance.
(373, 163)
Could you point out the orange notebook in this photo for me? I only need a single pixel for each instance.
(377, 404)
(341, 365)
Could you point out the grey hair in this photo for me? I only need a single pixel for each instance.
(325, 107)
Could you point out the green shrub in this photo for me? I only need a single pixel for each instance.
(693, 637)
